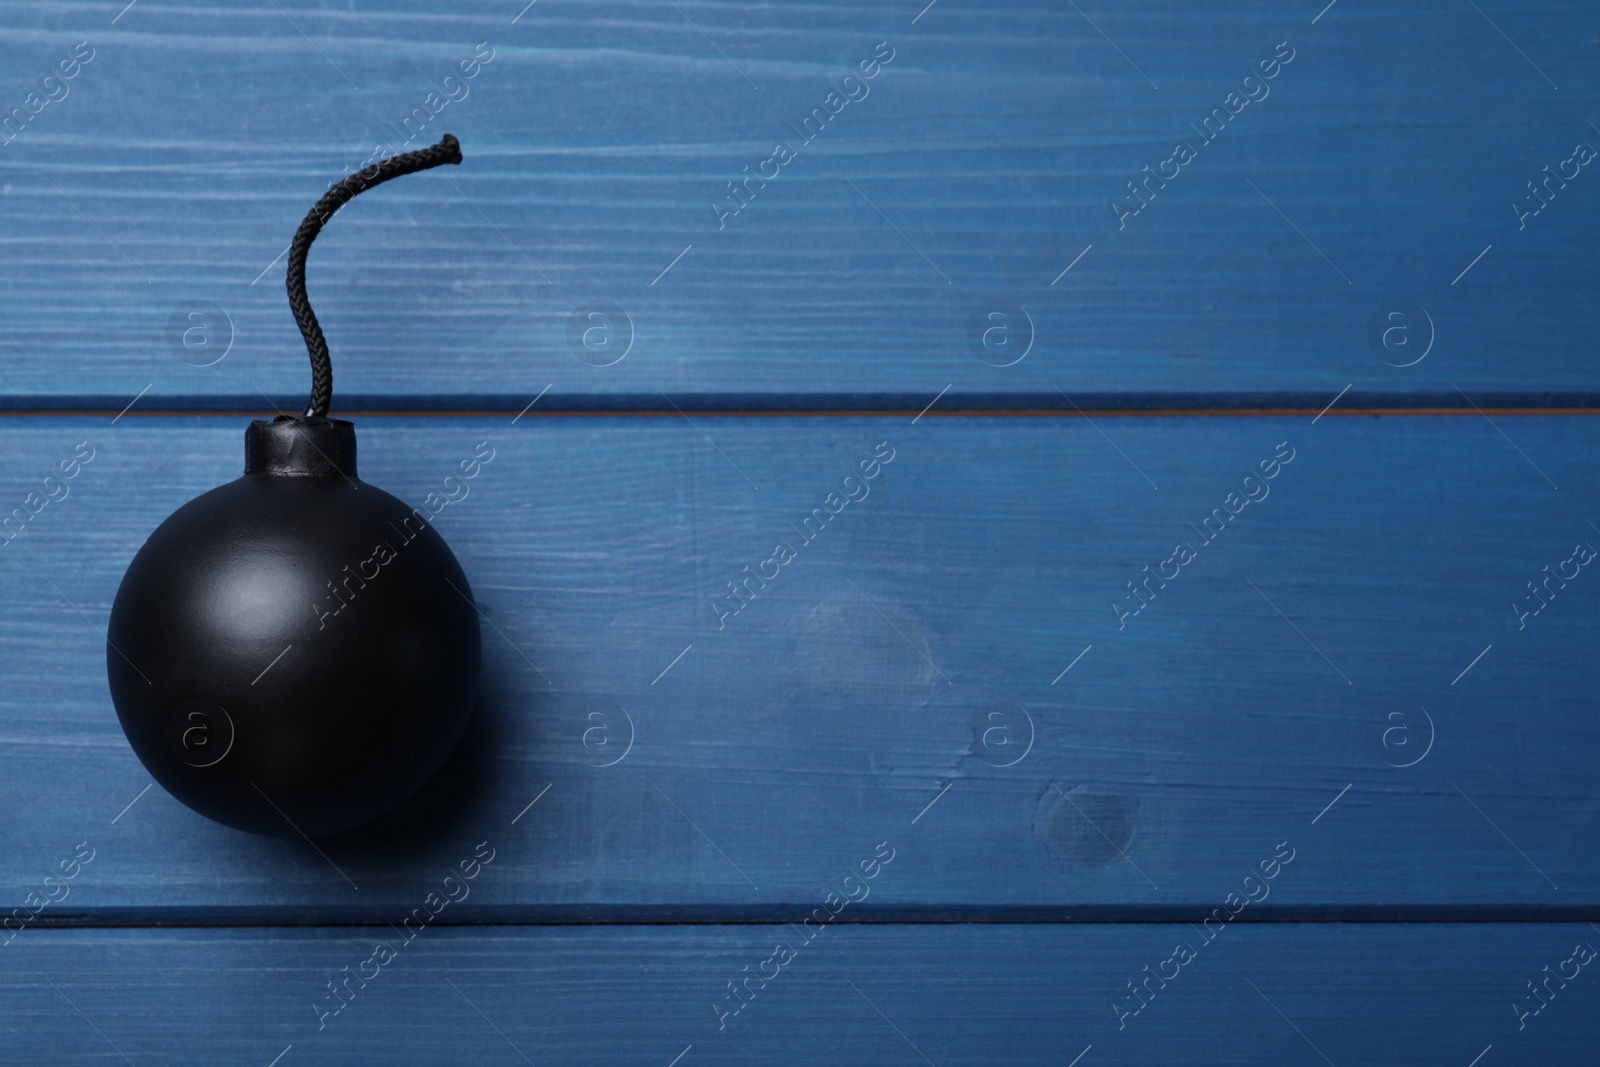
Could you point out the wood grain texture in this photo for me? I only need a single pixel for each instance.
(878, 687)
(1368, 697)
(981, 162)
(1267, 994)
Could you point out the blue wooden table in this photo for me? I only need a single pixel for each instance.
(1204, 673)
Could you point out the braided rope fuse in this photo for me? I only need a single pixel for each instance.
(447, 150)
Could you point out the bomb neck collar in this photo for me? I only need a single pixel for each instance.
(301, 445)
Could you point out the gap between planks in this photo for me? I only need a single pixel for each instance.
(1442, 915)
(988, 413)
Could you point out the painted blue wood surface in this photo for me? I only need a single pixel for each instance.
(1382, 162)
(1267, 994)
(1383, 667)
(942, 662)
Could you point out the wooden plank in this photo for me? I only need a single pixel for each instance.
(886, 685)
(1377, 174)
(1264, 994)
